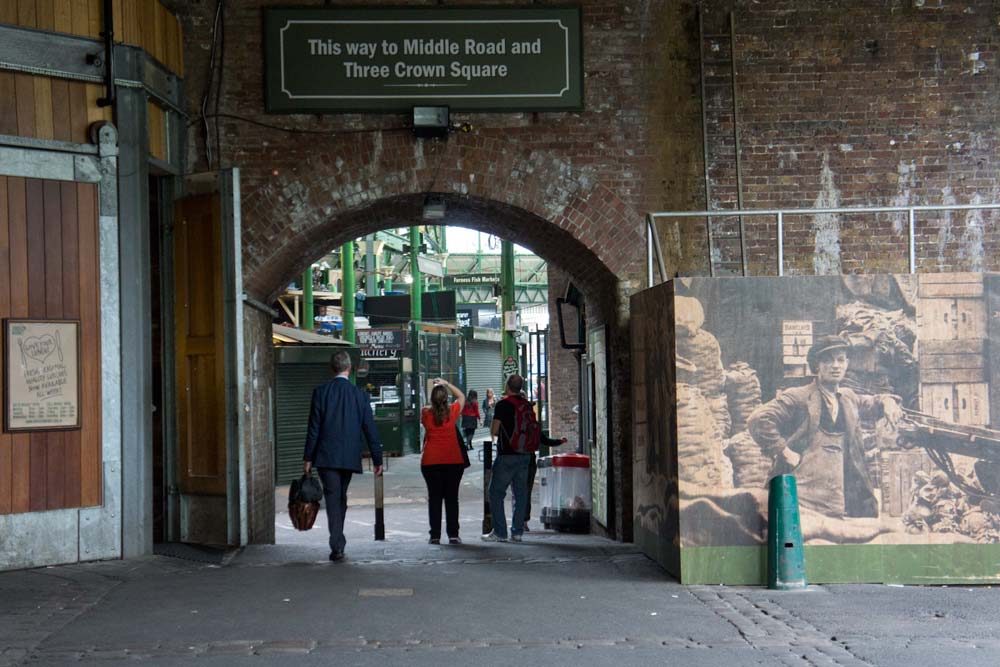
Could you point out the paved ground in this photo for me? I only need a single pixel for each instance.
(553, 600)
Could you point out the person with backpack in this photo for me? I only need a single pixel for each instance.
(517, 435)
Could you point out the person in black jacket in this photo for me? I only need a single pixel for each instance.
(533, 470)
(339, 416)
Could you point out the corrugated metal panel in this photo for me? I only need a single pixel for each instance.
(293, 394)
(484, 370)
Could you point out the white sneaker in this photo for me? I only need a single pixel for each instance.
(515, 538)
(493, 537)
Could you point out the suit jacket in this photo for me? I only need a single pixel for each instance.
(340, 415)
(792, 420)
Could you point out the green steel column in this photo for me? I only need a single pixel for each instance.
(371, 267)
(509, 342)
(307, 322)
(347, 290)
(416, 290)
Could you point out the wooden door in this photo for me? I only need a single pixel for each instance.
(208, 362)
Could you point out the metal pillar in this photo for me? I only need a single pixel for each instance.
(136, 348)
(416, 287)
(508, 287)
(347, 289)
(371, 268)
(307, 322)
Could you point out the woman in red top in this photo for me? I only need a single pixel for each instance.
(442, 463)
(470, 417)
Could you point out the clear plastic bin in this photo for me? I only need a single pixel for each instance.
(564, 492)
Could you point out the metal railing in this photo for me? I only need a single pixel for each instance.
(653, 247)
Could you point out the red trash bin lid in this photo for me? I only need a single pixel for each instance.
(571, 460)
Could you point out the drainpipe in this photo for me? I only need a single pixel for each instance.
(347, 289)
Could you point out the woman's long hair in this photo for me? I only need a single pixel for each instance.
(439, 404)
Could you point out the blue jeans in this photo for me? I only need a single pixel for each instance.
(509, 469)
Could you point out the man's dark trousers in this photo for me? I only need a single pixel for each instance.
(335, 483)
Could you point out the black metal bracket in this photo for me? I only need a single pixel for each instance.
(109, 55)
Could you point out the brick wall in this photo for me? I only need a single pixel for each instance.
(258, 434)
(855, 103)
(859, 102)
(563, 372)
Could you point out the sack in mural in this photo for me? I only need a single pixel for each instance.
(699, 441)
(742, 393)
(751, 466)
(702, 349)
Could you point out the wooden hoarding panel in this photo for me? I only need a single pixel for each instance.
(6, 440)
(90, 346)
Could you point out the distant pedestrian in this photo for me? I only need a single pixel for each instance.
(338, 418)
(489, 403)
(442, 463)
(512, 418)
(470, 417)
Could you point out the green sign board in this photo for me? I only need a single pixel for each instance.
(470, 279)
(392, 59)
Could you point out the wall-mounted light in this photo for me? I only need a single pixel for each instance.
(430, 121)
(434, 208)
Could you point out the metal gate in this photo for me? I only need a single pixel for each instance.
(484, 370)
(537, 372)
(294, 384)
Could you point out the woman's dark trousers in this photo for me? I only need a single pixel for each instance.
(442, 484)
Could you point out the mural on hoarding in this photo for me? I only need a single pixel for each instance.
(874, 391)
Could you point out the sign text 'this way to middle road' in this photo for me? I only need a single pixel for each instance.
(356, 69)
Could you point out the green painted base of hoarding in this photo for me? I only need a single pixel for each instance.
(840, 564)
(659, 549)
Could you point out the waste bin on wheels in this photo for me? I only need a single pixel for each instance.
(564, 483)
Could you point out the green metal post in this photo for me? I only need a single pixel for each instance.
(371, 267)
(307, 322)
(507, 285)
(786, 565)
(416, 286)
(347, 290)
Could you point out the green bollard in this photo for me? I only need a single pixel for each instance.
(786, 564)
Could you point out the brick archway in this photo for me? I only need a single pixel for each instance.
(295, 213)
(560, 211)
(554, 245)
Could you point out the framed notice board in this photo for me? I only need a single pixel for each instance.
(41, 374)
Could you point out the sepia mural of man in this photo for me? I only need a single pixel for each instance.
(814, 433)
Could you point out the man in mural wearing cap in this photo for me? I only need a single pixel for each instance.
(814, 433)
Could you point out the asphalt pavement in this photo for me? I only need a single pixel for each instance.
(555, 599)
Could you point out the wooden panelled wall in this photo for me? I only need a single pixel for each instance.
(45, 108)
(143, 23)
(49, 268)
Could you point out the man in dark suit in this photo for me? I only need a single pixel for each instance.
(339, 415)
